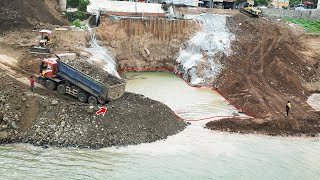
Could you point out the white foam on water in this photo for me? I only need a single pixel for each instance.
(204, 46)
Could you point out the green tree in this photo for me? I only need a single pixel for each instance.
(261, 2)
(240, 1)
(83, 5)
(80, 4)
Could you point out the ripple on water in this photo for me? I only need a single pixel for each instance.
(195, 153)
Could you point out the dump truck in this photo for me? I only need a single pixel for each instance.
(57, 75)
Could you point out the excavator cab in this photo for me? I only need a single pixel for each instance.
(45, 38)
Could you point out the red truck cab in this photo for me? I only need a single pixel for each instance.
(49, 67)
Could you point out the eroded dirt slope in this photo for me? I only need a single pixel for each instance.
(145, 43)
(25, 14)
(268, 68)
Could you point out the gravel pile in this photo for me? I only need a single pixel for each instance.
(95, 72)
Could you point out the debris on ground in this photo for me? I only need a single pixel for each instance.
(41, 119)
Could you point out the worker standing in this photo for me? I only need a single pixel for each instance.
(31, 83)
(42, 67)
(288, 107)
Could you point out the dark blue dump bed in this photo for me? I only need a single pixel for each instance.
(77, 76)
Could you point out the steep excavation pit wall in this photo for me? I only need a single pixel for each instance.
(145, 43)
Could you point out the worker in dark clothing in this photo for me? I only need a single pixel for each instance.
(42, 67)
(31, 83)
(288, 107)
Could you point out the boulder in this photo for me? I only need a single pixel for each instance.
(54, 102)
(3, 135)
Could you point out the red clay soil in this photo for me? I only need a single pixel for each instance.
(25, 14)
(266, 71)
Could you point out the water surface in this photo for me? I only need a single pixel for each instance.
(195, 153)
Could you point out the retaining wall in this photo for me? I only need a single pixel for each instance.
(145, 42)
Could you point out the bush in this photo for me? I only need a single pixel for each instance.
(81, 13)
(73, 3)
(72, 16)
(77, 23)
(83, 5)
(309, 25)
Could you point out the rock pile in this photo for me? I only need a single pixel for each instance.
(92, 71)
(43, 119)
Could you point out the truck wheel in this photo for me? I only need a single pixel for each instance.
(92, 100)
(61, 89)
(82, 97)
(51, 85)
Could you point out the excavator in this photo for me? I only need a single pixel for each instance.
(249, 10)
(42, 47)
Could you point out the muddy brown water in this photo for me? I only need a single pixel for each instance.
(195, 153)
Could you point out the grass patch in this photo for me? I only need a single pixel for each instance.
(309, 25)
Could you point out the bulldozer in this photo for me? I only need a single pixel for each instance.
(42, 46)
(249, 10)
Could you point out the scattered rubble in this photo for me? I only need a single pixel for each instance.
(128, 120)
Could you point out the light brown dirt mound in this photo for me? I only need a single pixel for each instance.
(267, 70)
(26, 14)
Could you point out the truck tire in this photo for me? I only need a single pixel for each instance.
(61, 89)
(92, 100)
(51, 85)
(82, 97)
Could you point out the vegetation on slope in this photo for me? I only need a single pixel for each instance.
(309, 25)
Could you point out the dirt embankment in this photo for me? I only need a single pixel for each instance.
(269, 66)
(44, 119)
(29, 14)
(145, 43)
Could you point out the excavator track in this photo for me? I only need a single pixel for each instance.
(39, 50)
(248, 13)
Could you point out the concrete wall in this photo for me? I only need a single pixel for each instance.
(313, 14)
(123, 7)
(63, 5)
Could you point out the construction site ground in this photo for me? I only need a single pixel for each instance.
(47, 118)
(270, 65)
